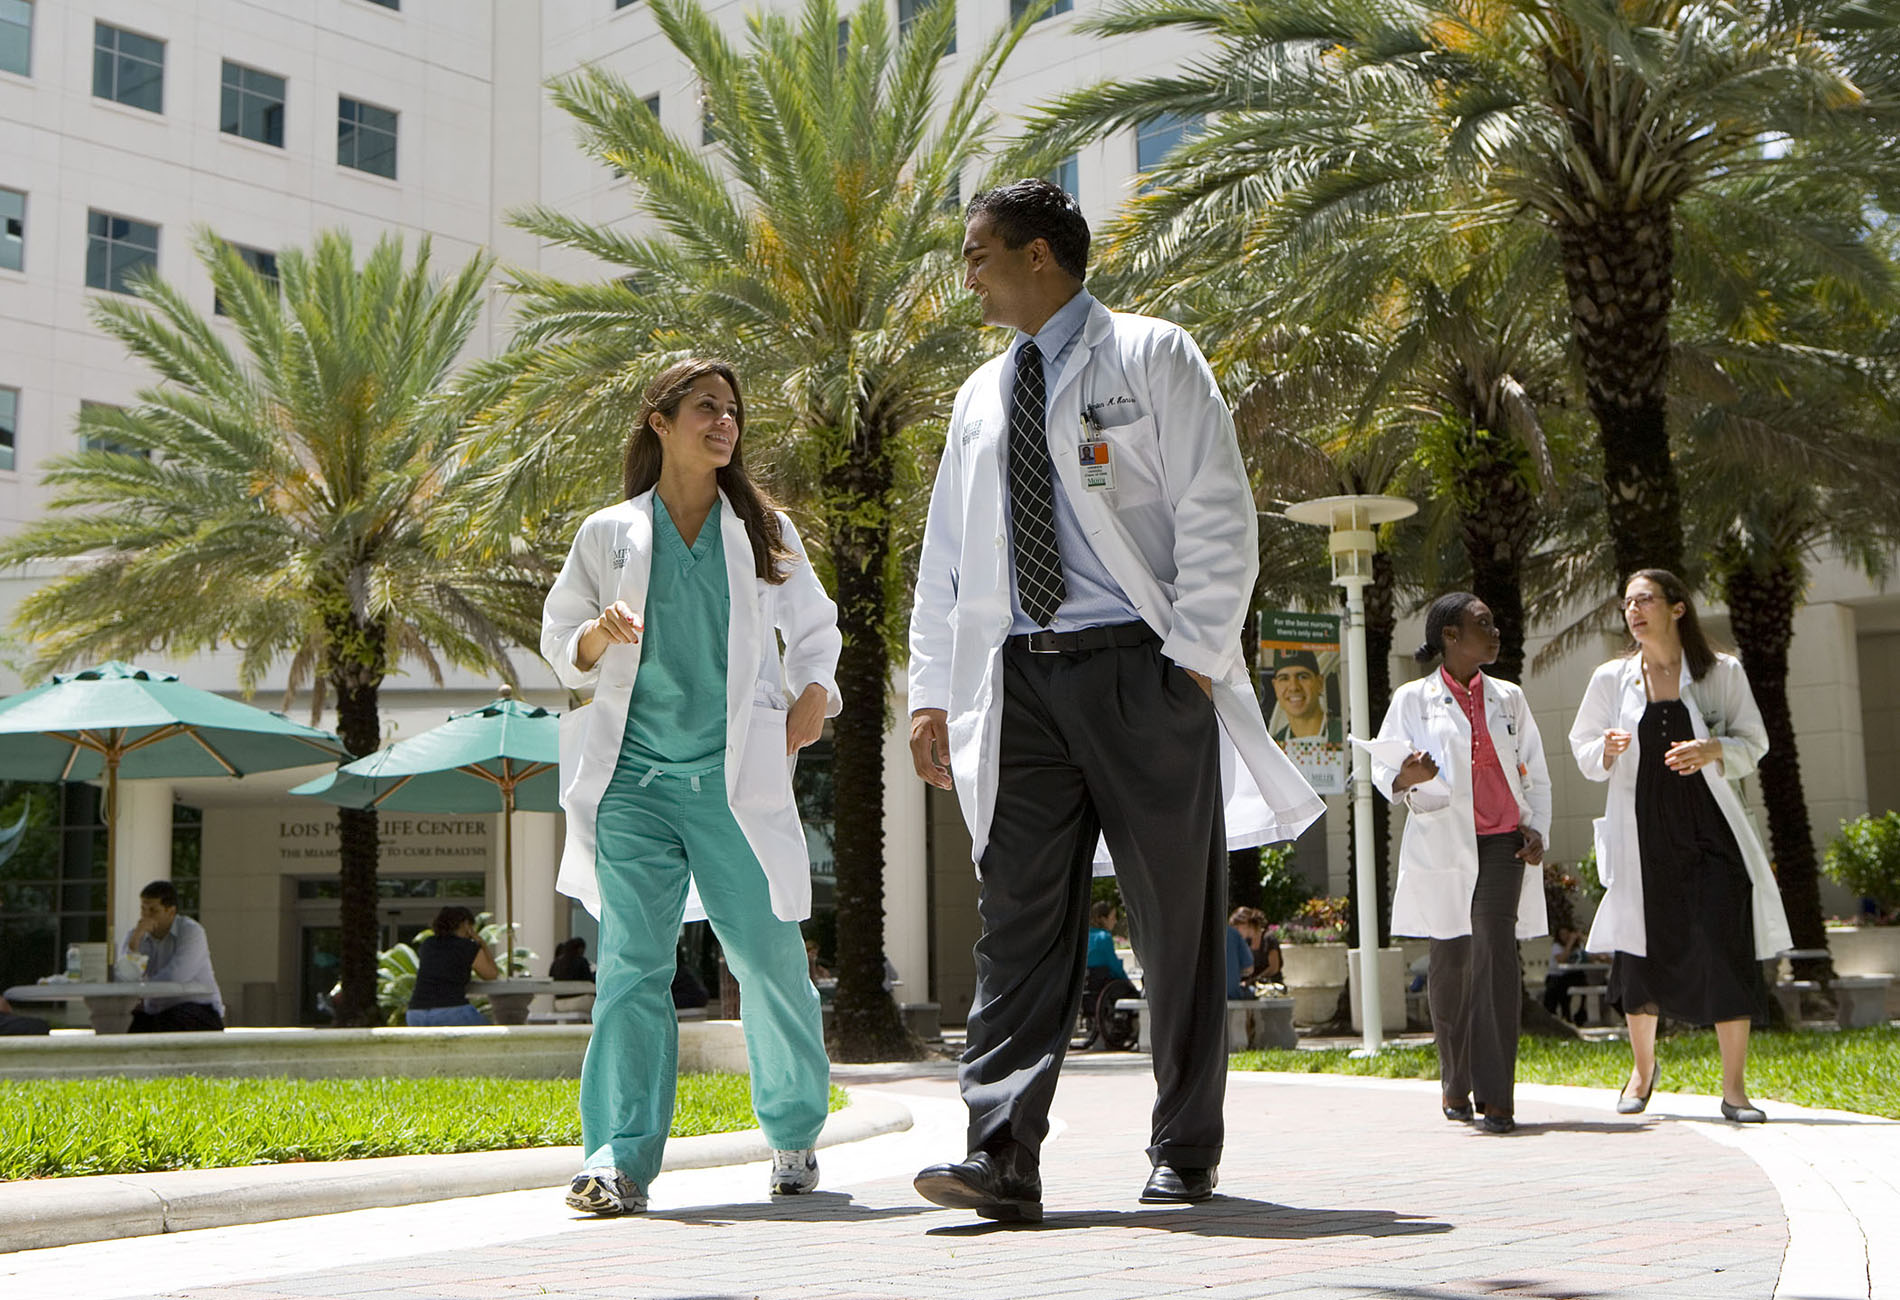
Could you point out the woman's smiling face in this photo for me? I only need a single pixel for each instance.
(704, 432)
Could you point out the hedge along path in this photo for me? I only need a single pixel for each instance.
(1856, 1069)
(68, 1128)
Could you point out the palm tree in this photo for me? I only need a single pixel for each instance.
(1594, 121)
(286, 497)
(816, 246)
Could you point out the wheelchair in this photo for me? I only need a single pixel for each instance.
(1098, 1024)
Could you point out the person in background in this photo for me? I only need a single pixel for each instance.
(1239, 965)
(170, 948)
(1252, 924)
(1566, 947)
(17, 1026)
(570, 961)
(1103, 962)
(1468, 839)
(1691, 907)
(444, 962)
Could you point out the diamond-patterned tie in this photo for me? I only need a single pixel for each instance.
(1032, 510)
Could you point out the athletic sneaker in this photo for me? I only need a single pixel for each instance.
(794, 1172)
(606, 1191)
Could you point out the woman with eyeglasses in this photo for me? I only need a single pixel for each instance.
(1691, 908)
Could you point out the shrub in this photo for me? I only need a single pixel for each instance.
(1319, 920)
(1283, 891)
(1865, 857)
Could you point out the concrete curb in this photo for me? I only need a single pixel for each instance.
(44, 1212)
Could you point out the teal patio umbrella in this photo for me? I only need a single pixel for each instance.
(503, 757)
(123, 721)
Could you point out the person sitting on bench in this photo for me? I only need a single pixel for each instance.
(174, 948)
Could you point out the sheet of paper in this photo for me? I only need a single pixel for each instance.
(1393, 753)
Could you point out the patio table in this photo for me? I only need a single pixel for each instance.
(109, 1004)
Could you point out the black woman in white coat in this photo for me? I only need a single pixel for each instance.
(1477, 809)
(671, 605)
(1692, 905)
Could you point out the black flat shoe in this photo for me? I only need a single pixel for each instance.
(1168, 1185)
(1628, 1105)
(1458, 1114)
(1743, 1114)
(1005, 1187)
(1497, 1124)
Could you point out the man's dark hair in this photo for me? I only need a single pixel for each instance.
(161, 892)
(1028, 210)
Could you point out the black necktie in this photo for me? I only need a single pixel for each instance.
(1032, 495)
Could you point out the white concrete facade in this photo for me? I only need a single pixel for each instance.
(477, 139)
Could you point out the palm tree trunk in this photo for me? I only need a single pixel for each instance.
(866, 1025)
(1618, 270)
(359, 726)
(1762, 601)
(1496, 519)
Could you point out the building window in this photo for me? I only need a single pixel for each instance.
(622, 4)
(253, 105)
(101, 417)
(116, 248)
(16, 36)
(1063, 175)
(653, 104)
(128, 68)
(388, 4)
(365, 137)
(1155, 137)
(1017, 8)
(9, 424)
(12, 230)
(265, 264)
(909, 11)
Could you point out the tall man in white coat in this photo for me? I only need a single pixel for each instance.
(1075, 653)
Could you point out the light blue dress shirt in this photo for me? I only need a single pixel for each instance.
(1094, 598)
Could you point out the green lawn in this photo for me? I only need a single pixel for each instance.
(1856, 1070)
(117, 1126)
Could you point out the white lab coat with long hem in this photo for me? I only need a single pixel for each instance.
(1177, 533)
(1438, 855)
(1720, 705)
(611, 559)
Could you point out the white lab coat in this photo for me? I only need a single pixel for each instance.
(612, 559)
(1720, 705)
(1438, 856)
(1177, 533)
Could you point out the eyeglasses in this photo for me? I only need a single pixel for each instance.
(1641, 600)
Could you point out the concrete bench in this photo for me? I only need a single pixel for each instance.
(1252, 1023)
(1859, 1000)
(1589, 999)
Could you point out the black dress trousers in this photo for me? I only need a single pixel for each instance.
(1118, 742)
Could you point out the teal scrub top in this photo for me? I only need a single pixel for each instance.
(676, 719)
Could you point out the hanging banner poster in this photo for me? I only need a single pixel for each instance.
(1299, 687)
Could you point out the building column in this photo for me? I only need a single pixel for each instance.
(142, 843)
(1824, 696)
(536, 904)
(906, 862)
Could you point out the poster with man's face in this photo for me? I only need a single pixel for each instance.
(1299, 688)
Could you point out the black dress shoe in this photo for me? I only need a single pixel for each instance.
(1497, 1124)
(1168, 1185)
(1006, 1187)
(1459, 1114)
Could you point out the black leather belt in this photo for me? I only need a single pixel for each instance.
(1085, 638)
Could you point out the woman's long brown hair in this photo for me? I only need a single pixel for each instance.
(1696, 650)
(771, 557)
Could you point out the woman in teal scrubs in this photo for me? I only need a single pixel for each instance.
(671, 606)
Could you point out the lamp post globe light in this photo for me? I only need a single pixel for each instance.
(1352, 524)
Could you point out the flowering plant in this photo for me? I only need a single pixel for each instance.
(1319, 920)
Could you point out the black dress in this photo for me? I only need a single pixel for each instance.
(1698, 917)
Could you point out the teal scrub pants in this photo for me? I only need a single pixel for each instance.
(651, 832)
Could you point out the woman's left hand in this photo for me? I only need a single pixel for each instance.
(1691, 756)
(806, 721)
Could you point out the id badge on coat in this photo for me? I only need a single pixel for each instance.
(1096, 459)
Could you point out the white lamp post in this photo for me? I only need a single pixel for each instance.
(1351, 522)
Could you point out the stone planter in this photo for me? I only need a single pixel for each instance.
(1314, 974)
(1868, 950)
(1391, 989)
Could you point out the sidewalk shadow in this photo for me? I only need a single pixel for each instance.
(812, 1207)
(1531, 1128)
(1228, 1216)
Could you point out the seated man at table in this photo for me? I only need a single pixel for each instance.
(12, 1025)
(174, 949)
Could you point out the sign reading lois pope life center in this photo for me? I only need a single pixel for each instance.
(1299, 681)
(403, 837)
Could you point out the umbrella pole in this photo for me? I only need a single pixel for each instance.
(508, 868)
(112, 852)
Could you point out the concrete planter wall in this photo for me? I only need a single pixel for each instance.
(1868, 950)
(1314, 974)
(1391, 989)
